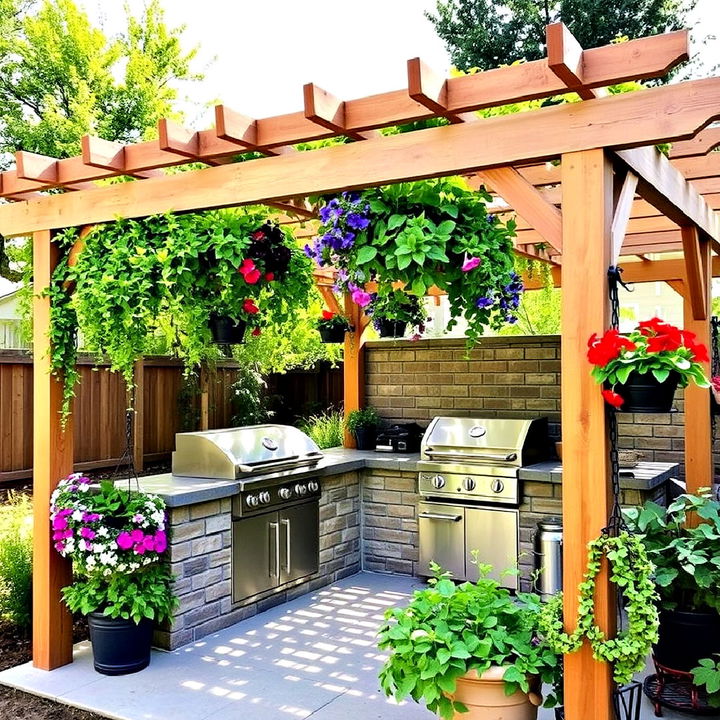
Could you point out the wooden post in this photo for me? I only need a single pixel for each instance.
(52, 460)
(204, 398)
(698, 425)
(587, 186)
(353, 365)
(139, 416)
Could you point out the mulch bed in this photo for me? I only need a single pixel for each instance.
(15, 649)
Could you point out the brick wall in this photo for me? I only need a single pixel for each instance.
(200, 559)
(500, 377)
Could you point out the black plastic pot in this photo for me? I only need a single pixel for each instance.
(686, 638)
(365, 438)
(226, 330)
(332, 335)
(391, 328)
(120, 647)
(644, 394)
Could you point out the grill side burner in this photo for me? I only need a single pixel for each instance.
(470, 492)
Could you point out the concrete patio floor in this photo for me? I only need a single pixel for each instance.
(314, 657)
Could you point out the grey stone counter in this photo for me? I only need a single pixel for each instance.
(179, 491)
(644, 476)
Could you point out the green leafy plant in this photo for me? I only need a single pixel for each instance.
(248, 400)
(449, 629)
(389, 304)
(632, 573)
(362, 419)
(686, 556)
(707, 675)
(16, 560)
(326, 429)
(420, 234)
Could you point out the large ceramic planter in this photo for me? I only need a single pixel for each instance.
(226, 330)
(485, 698)
(391, 328)
(686, 638)
(644, 394)
(120, 647)
(332, 335)
(365, 438)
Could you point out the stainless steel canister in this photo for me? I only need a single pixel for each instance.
(547, 546)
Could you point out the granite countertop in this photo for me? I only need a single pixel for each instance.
(644, 476)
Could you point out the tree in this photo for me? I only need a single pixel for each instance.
(58, 77)
(485, 34)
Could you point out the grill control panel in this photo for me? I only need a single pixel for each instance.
(252, 502)
(483, 488)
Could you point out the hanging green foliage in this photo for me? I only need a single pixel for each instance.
(166, 275)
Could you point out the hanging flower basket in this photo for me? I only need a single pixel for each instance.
(332, 335)
(332, 327)
(226, 330)
(644, 393)
(391, 328)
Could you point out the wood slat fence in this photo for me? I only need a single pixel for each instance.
(169, 405)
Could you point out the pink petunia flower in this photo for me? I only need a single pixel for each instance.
(160, 541)
(87, 533)
(149, 543)
(137, 536)
(470, 264)
(360, 297)
(124, 541)
(139, 549)
(59, 523)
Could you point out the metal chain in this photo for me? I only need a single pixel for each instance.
(616, 523)
(128, 456)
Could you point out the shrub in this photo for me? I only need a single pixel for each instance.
(16, 560)
(326, 429)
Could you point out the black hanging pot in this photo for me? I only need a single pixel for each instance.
(332, 334)
(391, 328)
(643, 393)
(226, 330)
(120, 647)
(687, 637)
(365, 438)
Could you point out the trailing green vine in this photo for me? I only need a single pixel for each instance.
(632, 573)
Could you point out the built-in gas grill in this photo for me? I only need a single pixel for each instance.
(470, 492)
(275, 529)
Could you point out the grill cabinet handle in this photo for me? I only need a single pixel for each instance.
(286, 523)
(510, 457)
(440, 516)
(276, 528)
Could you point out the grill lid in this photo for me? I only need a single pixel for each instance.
(488, 441)
(238, 452)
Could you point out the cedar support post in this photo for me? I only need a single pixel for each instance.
(52, 460)
(353, 364)
(698, 425)
(587, 185)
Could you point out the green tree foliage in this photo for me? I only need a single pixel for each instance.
(61, 78)
(485, 34)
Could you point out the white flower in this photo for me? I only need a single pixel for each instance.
(77, 516)
(102, 532)
(83, 488)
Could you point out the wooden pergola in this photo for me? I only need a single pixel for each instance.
(584, 180)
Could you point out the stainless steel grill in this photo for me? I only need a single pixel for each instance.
(275, 529)
(470, 492)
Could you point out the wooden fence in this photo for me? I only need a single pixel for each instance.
(168, 405)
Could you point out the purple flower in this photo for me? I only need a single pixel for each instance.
(484, 302)
(91, 517)
(357, 221)
(360, 297)
(59, 522)
(160, 541)
(88, 545)
(137, 536)
(511, 319)
(470, 264)
(59, 546)
(309, 252)
(87, 533)
(149, 543)
(124, 541)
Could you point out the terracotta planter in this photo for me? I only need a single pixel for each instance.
(485, 698)
(644, 394)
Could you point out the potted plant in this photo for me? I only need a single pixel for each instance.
(393, 310)
(116, 540)
(363, 426)
(687, 574)
(641, 369)
(469, 648)
(332, 327)
(418, 235)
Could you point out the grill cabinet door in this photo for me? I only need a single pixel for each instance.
(494, 534)
(442, 538)
(299, 541)
(254, 552)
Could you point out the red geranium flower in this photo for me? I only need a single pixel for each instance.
(612, 398)
(258, 235)
(327, 315)
(256, 331)
(698, 350)
(250, 307)
(608, 347)
(655, 326)
(249, 271)
(269, 277)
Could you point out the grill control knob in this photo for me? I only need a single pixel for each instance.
(313, 486)
(497, 486)
(252, 500)
(285, 493)
(264, 497)
(438, 482)
(469, 484)
(301, 490)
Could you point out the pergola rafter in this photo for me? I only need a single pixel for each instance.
(608, 192)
